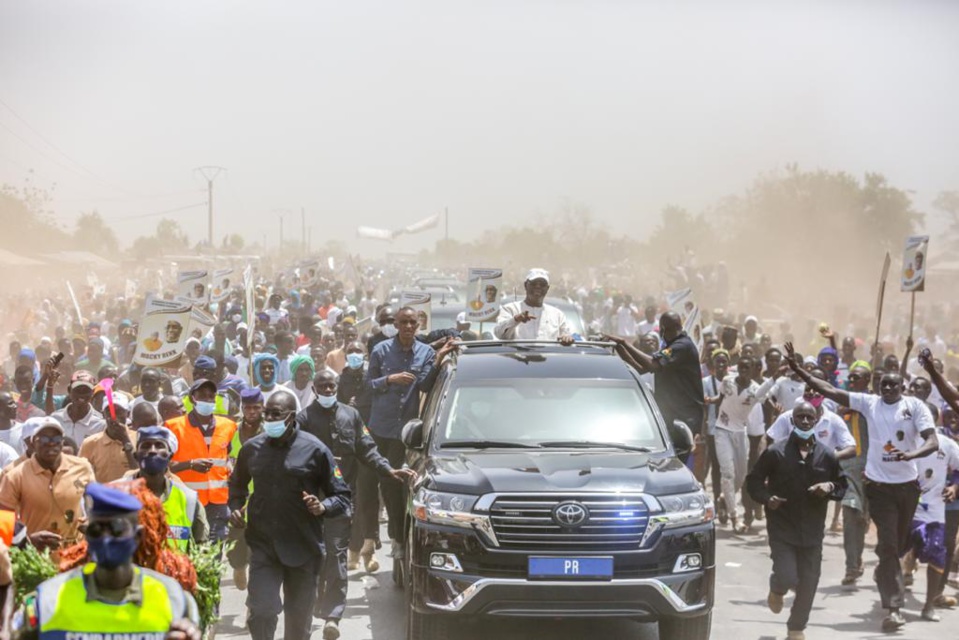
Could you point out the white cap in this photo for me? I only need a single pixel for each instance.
(461, 318)
(31, 429)
(538, 274)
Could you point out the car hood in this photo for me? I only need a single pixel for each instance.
(480, 472)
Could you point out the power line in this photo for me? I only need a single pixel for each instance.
(157, 213)
(89, 174)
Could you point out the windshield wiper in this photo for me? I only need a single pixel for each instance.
(585, 444)
(486, 444)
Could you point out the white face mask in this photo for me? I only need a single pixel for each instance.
(389, 330)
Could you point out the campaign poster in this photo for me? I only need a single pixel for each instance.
(914, 263)
(200, 323)
(163, 332)
(483, 298)
(422, 302)
(682, 302)
(194, 285)
(310, 273)
(222, 285)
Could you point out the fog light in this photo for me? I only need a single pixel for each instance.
(688, 562)
(445, 562)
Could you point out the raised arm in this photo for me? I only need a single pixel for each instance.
(904, 363)
(946, 390)
(819, 386)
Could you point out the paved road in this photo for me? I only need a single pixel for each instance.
(376, 609)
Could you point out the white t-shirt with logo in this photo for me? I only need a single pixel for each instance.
(892, 425)
(737, 405)
(788, 392)
(934, 472)
(831, 430)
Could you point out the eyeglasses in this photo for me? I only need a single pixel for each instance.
(115, 527)
(49, 439)
(276, 414)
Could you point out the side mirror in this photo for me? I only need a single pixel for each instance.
(412, 434)
(682, 437)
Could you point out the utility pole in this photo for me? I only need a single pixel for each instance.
(210, 173)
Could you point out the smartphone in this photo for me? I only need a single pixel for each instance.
(57, 359)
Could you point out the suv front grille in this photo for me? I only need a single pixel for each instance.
(614, 523)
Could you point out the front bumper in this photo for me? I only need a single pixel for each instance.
(641, 598)
(493, 581)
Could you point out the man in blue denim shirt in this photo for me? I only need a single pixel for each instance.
(400, 368)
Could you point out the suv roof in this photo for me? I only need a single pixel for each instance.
(492, 359)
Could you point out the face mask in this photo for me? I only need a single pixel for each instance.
(389, 330)
(354, 360)
(154, 465)
(326, 401)
(805, 435)
(205, 409)
(274, 429)
(110, 552)
(236, 318)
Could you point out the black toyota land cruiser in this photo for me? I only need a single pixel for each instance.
(549, 487)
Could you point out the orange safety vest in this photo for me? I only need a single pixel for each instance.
(211, 487)
(8, 524)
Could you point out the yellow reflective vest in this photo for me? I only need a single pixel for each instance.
(63, 611)
(180, 506)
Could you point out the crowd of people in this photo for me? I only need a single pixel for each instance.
(288, 450)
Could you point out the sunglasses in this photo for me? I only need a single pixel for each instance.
(115, 527)
(276, 414)
(49, 439)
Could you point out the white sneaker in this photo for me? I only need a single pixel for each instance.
(331, 630)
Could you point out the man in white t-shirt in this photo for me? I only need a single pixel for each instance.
(648, 323)
(927, 541)
(532, 318)
(901, 430)
(740, 395)
(626, 317)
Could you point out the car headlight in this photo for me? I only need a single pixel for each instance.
(451, 509)
(682, 509)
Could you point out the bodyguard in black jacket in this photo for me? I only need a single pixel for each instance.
(795, 479)
(340, 428)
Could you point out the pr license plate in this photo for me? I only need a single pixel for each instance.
(582, 568)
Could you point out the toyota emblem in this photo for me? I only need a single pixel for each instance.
(570, 514)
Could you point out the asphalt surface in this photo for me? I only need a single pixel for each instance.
(376, 609)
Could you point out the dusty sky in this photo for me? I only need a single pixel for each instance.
(381, 113)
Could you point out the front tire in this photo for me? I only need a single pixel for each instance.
(697, 628)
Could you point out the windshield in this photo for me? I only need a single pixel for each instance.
(535, 410)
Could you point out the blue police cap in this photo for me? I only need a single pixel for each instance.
(102, 500)
(251, 395)
(158, 433)
(203, 382)
(204, 362)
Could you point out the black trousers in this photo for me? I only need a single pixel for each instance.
(797, 569)
(394, 493)
(267, 577)
(952, 530)
(332, 588)
(366, 508)
(891, 507)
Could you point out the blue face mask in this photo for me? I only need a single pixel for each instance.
(110, 552)
(274, 429)
(804, 435)
(354, 360)
(154, 465)
(326, 401)
(205, 409)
